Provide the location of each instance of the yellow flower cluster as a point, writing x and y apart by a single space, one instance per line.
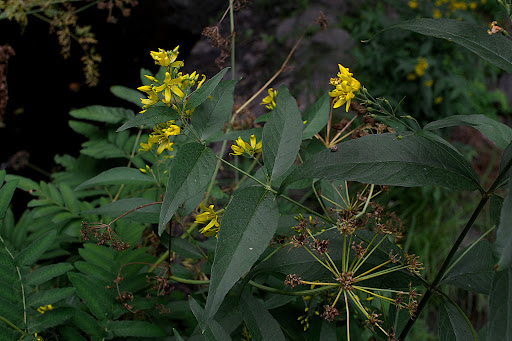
270 100
44 308
344 87
160 137
175 87
246 149
447 8
419 69
209 217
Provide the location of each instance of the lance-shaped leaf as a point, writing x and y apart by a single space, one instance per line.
419 159
503 244
6 193
499 318
117 176
496 49
103 114
506 157
209 118
151 117
316 116
201 94
213 331
282 135
127 94
474 270
247 226
190 173
453 324
31 253
495 131
259 321
143 210
94 295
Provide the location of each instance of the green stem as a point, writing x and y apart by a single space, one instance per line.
13 326
433 286
232 27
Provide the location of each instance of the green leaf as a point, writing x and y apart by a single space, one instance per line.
47 272
191 170
151 117
83 128
213 331
70 199
247 226
316 116
496 49
503 243
419 159
495 205
201 94
130 95
148 214
261 324
136 329
505 158
87 323
495 131
177 335
453 324
6 193
11 295
117 176
93 294
69 333
474 271
31 253
50 319
210 117
50 296
103 114
499 317
282 135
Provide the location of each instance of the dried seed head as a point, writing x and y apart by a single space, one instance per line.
330 313
320 246
292 280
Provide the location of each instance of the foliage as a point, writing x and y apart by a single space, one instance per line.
298 241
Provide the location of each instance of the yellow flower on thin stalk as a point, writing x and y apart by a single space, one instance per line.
171 85
270 100
209 217
344 87
421 66
166 58
38 337
246 149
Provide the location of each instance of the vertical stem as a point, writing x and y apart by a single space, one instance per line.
232 26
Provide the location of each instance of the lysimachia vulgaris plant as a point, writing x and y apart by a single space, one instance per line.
278 230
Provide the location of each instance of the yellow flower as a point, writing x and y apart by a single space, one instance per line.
429 83
208 217
152 97
436 14
438 99
421 66
411 76
472 5
44 308
38 338
246 149
160 136
166 58
345 86
412 4
170 85
270 99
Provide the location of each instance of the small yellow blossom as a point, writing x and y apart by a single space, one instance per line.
472 4
436 13
270 100
413 4
246 149
166 58
171 85
152 97
160 136
421 66
438 99
429 83
345 86
38 338
44 308
411 76
208 217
